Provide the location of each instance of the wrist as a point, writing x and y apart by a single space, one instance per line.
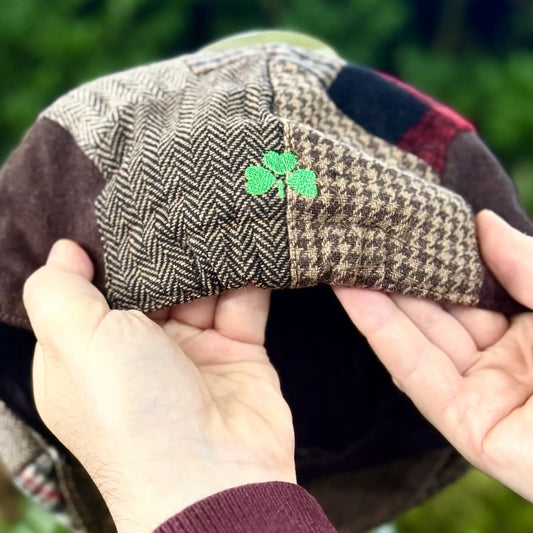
142 504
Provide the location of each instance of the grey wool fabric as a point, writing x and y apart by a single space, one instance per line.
274 165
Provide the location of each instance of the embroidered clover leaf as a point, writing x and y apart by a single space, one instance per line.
280 163
261 180
304 182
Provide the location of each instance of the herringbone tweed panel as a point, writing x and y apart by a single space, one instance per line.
174 140
376 226
300 94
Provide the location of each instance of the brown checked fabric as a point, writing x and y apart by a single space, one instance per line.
376 226
301 96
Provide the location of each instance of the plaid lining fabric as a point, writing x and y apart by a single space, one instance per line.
38 480
32 464
19 445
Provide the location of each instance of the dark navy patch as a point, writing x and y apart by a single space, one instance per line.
374 103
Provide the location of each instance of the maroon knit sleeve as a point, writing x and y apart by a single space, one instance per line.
274 507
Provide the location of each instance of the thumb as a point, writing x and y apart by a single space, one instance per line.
63 306
509 255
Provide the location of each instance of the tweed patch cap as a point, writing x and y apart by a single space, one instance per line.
274 165
163 203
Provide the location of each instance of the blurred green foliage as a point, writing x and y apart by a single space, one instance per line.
475 504
31 518
474 55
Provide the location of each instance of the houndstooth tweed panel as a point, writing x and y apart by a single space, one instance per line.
301 95
173 141
376 226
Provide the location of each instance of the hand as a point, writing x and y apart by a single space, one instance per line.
161 412
469 371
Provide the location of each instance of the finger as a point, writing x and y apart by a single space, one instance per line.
160 316
514 352
179 332
241 314
197 313
38 377
421 369
508 254
63 306
70 256
440 328
486 327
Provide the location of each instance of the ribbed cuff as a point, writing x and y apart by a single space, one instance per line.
274 507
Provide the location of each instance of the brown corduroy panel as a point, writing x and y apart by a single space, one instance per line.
374 226
356 501
300 95
474 173
37 207
176 220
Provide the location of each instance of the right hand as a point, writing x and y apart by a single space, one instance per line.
469 371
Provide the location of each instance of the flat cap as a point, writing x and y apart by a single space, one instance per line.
276 165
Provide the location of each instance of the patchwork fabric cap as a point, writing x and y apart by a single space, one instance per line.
274 165
263 165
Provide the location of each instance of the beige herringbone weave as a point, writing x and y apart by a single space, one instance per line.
176 220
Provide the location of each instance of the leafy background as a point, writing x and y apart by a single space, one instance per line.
474 55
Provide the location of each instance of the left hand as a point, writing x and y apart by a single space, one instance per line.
162 411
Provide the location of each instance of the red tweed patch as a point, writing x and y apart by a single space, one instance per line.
430 136
458 121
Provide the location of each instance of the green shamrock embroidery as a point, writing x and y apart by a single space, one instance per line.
261 180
